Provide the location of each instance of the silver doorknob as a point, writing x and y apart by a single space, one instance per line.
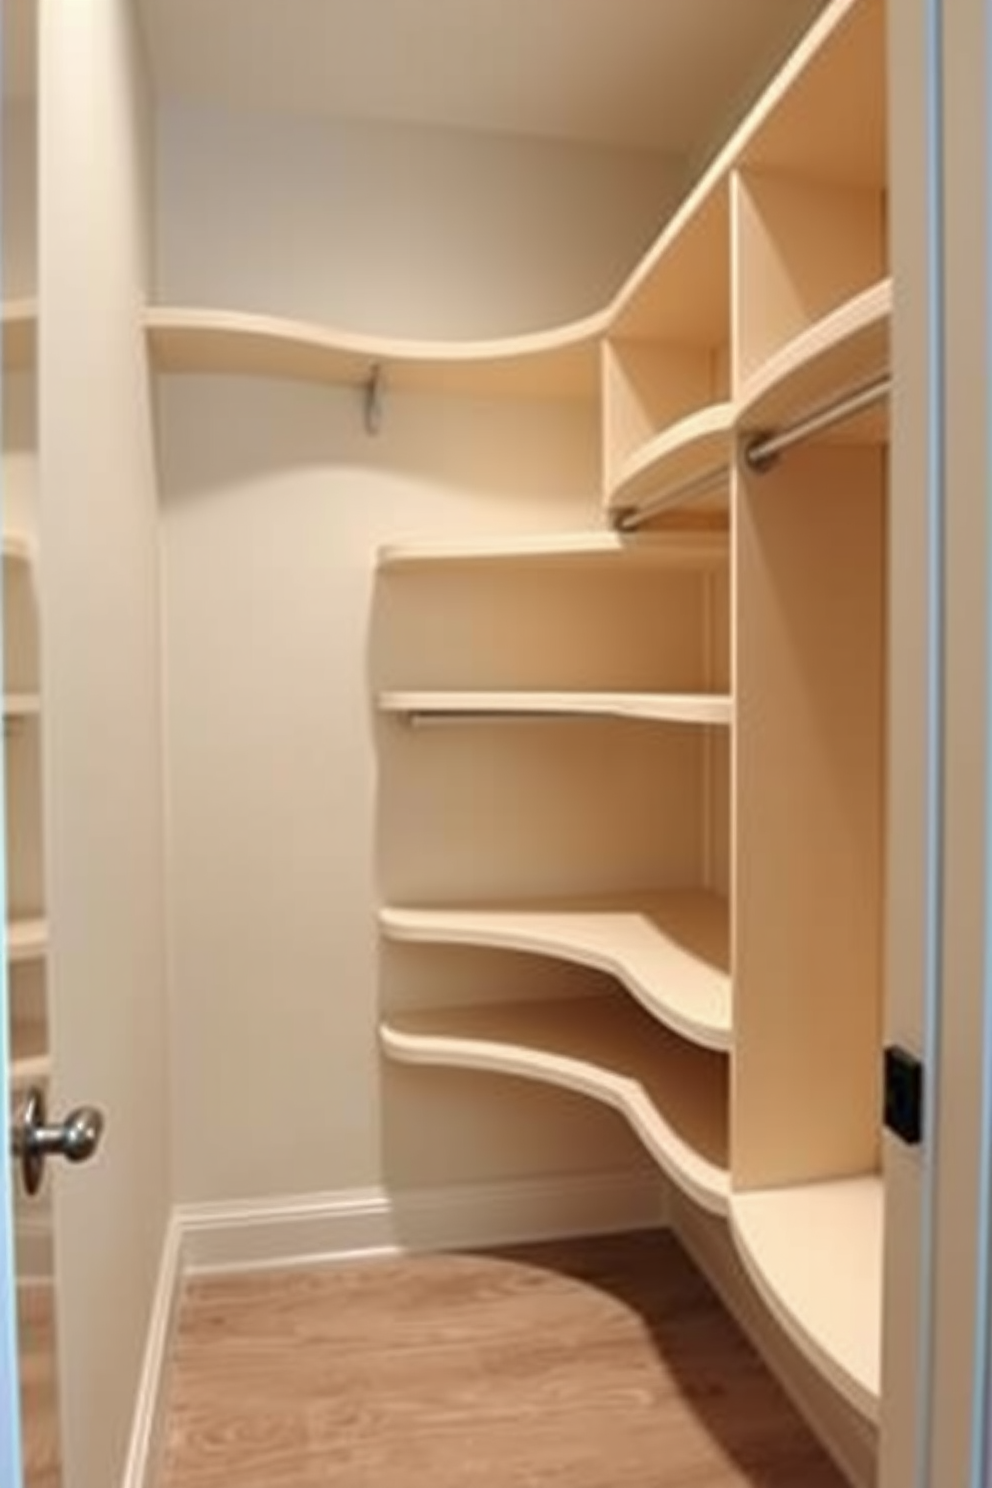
33 1140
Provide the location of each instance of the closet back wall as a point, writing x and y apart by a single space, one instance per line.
274 500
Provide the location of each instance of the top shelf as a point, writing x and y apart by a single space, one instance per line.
560 363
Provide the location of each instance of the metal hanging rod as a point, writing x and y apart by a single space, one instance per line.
761 452
629 518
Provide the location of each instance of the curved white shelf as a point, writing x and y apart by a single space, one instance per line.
671 950
700 550
696 708
27 940
814 1252
845 349
18 330
563 362
673 1094
686 451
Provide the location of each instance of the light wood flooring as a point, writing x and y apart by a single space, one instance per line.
601 1363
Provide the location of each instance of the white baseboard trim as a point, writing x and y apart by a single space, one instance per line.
354 1222
141 1469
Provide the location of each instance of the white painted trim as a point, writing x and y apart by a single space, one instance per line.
332 1226
141 1470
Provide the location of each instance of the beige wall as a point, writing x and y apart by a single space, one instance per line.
103 727
274 500
404 231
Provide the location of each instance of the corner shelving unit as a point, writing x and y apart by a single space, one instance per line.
765 300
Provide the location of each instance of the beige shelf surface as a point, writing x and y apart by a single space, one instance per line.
676 707
17 547
593 549
557 363
27 940
18 328
815 1254
846 349
21 705
670 949
673 1094
686 451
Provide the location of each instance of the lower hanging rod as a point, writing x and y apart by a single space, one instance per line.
761 452
629 518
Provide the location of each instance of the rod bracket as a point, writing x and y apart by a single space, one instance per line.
755 458
374 399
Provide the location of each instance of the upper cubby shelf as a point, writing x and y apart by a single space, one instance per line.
671 949
673 1094
814 1252
560 363
18 328
693 708
848 348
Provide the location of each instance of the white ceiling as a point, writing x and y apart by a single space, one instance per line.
661 74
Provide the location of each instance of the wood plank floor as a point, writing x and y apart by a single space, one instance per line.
39 1399
601 1363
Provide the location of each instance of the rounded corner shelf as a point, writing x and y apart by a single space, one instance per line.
673 1095
670 950
814 1253
845 349
695 449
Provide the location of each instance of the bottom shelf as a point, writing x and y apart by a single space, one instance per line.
814 1252
673 1093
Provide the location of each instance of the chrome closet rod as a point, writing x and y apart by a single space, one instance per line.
761 451
629 518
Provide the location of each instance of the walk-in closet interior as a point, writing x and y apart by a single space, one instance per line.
445 585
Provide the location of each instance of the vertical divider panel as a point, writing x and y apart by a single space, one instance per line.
809 779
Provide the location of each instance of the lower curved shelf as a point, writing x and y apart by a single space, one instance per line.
673 1094
814 1253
